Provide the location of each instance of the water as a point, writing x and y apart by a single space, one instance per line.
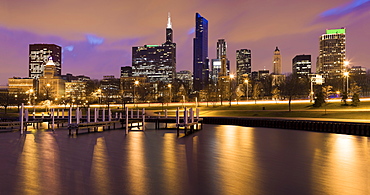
216 160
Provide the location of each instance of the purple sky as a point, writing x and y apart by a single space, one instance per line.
97 36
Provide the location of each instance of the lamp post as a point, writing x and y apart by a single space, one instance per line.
247 82
99 95
170 87
346 74
230 88
135 84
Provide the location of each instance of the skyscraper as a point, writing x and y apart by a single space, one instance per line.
156 62
39 55
243 64
200 56
332 53
301 65
220 65
277 62
221 48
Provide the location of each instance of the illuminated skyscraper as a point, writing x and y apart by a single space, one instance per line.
301 65
221 48
39 55
156 62
243 64
332 53
277 62
200 57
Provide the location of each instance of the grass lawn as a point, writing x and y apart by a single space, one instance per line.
299 110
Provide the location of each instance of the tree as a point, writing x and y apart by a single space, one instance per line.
356 91
275 93
256 90
293 87
5 99
319 100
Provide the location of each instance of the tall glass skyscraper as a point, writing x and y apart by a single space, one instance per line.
332 53
243 64
200 56
156 62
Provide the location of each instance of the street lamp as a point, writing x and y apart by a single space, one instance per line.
247 82
135 84
99 90
170 86
346 74
231 94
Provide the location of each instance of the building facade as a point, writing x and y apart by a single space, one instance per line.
200 53
126 71
39 55
243 64
277 62
156 62
51 85
332 53
301 65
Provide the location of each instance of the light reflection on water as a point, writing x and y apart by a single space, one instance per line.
216 160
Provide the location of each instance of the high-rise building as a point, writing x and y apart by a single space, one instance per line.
200 56
221 48
156 62
332 53
277 62
301 65
39 55
243 64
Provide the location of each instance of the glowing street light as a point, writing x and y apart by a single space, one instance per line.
170 86
247 82
346 74
231 94
135 84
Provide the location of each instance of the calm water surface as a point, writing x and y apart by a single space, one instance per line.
216 160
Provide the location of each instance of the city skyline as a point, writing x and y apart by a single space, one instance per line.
99 44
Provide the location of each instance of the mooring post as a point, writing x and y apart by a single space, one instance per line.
132 113
116 115
58 113
88 115
109 115
185 116
103 117
42 115
70 116
62 113
52 119
77 115
26 114
143 114
165 113
21 115
126 127
120 115
191 115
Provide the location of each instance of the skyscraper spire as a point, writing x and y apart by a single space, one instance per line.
169 24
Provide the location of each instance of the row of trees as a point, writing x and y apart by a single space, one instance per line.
112 91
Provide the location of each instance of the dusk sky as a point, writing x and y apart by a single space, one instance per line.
97 36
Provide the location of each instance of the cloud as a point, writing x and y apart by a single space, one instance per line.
94 40
69 48
345 9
